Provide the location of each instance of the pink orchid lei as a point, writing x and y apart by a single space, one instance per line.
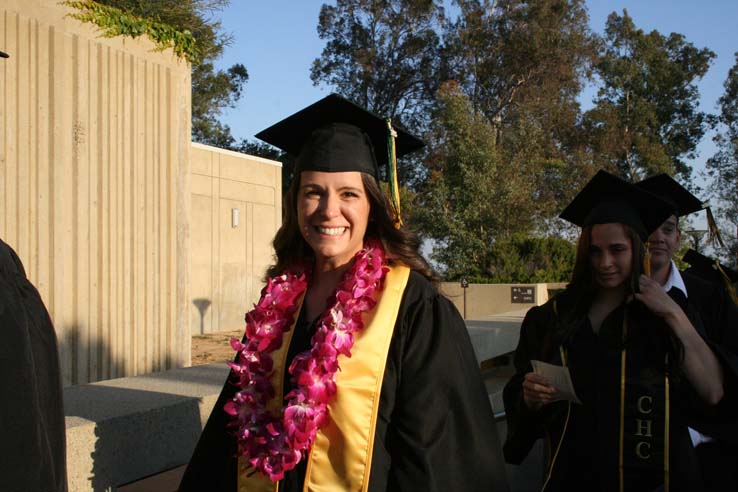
275 443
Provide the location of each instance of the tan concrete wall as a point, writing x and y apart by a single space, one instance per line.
94 188
483 300
228 263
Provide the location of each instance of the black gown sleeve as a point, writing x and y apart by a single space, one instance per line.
524 426
441 435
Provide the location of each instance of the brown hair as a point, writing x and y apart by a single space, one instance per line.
401 245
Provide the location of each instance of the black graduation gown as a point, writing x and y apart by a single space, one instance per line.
32 431
588 455
435 429
719 325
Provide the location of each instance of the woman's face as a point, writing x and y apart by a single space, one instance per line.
611 255
333 213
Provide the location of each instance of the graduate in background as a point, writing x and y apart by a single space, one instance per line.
355 373
712 271
715 316
640 368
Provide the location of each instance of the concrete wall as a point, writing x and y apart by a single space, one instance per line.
229 260
94 188
484 300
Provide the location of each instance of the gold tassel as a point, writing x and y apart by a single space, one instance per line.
713 234
647 261
728 285
394 185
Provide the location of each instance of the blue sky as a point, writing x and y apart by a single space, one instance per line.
277 40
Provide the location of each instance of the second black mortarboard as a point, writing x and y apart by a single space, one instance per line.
609 199
682 201
667 188
334 135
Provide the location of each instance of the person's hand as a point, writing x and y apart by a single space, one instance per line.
655 298
537 391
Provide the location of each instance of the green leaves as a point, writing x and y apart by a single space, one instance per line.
115 22
645 120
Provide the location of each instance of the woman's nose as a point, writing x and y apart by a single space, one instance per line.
331 206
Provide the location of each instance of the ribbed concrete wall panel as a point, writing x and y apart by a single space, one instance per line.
94 188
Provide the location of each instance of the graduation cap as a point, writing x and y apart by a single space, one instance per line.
608 198
335 135
681 200
712 271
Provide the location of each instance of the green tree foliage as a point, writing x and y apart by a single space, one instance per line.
115 22
471 197
383 55
212 90
526 259
522 65
723 166
645 120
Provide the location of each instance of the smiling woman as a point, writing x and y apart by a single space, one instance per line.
354 372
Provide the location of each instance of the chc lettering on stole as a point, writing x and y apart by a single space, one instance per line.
644 429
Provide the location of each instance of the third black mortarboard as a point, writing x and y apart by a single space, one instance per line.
335 135
707 268
608 199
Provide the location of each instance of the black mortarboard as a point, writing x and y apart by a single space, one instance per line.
335 135
607 199
681 200
707 268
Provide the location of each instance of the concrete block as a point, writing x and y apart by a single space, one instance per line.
121 430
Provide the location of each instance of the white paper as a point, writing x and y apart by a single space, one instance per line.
558 377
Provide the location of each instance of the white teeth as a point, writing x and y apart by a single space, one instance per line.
331 231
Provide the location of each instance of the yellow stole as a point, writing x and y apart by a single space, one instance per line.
341 456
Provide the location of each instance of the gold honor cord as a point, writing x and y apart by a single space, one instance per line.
713 233
393 182
562 352
622 399
728 284
666 427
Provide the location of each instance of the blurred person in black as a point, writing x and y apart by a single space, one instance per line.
32 431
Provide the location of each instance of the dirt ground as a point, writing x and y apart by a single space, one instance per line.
213 347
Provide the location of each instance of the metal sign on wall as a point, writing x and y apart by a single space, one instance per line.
523 295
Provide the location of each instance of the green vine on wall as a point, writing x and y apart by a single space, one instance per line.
114 22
